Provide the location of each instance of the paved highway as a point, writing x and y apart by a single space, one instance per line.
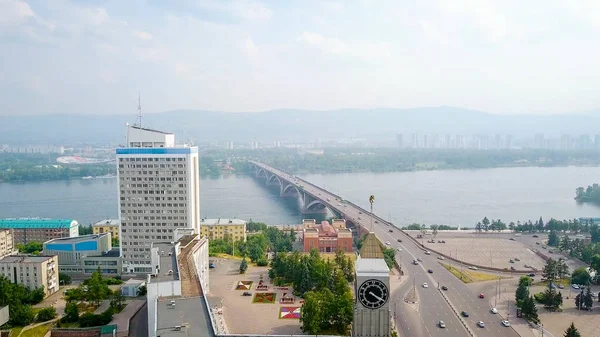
432 307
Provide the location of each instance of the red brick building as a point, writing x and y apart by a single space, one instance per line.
326 237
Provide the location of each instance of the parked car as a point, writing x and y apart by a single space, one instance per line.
399 249
399 240
415 262
391 231
464 314
494 311
536 236
425 285
506 323
430 271
575 286
444 288
512 239
247 293
517 259
427 253
387 243
211 265
481 296
473 268
440 257
419 259
531 275
560 286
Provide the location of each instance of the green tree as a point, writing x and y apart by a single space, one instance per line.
529 310
255 252
36 296
580 276
553 239
97 289
550 271
311 314
21 315
595 263
243 266
552 299
142 291
525 280
64 279
572 331
46 314
117 300
71 312
486 223
588 299
521 293
565 243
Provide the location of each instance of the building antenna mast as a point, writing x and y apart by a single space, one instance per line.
139 111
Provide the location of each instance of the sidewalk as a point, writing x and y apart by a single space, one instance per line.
507 309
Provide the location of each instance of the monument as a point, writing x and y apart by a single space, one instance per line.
372 289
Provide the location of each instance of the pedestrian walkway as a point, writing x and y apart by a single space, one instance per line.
505 304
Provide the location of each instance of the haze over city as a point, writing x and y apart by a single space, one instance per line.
502 57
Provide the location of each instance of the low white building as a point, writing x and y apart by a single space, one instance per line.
32 271
131 287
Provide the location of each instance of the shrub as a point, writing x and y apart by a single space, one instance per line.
46 314
262 262
540 297
113 281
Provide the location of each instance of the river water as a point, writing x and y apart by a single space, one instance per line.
458 197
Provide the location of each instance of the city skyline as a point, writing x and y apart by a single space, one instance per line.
501 57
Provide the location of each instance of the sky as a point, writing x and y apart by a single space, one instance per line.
94 56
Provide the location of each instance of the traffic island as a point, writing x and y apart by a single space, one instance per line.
412 296
469 276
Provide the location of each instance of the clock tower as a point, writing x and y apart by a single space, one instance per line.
372 291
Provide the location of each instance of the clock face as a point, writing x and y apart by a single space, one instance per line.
373 294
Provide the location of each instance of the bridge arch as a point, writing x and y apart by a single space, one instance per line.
274 178
289 187
262 173
315 205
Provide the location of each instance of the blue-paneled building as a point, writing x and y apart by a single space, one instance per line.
84 254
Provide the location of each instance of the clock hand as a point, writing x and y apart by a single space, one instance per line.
377 297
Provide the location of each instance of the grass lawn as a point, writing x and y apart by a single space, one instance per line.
331 256
564 282
469 276
38 331
16 331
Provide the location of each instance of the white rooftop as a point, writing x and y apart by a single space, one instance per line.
108 222
371 266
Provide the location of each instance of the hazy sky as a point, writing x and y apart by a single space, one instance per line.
498 56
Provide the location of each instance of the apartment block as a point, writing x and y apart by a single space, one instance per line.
230 229
111 226
6 242
159 192
26 230
32 271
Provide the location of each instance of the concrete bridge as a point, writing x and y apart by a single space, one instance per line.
315 199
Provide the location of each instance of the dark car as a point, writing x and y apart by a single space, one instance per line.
430 271
247 293
481 296
391 231
531 275
536 236
211 265
444 288
464 314
399 240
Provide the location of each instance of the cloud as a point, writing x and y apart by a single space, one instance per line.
432 32
334 6
181 69
484 15
142 35
362 50
586 10
14 12
249 48
247 10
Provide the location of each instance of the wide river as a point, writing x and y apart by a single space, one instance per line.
460 197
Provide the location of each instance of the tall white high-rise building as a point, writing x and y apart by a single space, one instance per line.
158 193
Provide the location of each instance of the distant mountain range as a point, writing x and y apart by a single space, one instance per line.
288 125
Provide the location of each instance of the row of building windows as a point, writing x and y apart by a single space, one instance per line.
147 224
153 179
104 271
100 263
147 237
137 249
151 159
157 185
148 230
20 268
158 211
155 218
169 173
154 166
177 204
150 198
124 192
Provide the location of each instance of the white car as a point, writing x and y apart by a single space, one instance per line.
425 285
442 324
427 253
399 249
440 257
506 323
481 324
387 243
494 311
473 268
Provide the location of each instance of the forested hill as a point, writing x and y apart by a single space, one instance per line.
299 125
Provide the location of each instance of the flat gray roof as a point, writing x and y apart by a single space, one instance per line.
166 262
221 221
77 238
26 258
190 314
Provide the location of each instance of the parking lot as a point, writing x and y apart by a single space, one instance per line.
485 251
240 313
